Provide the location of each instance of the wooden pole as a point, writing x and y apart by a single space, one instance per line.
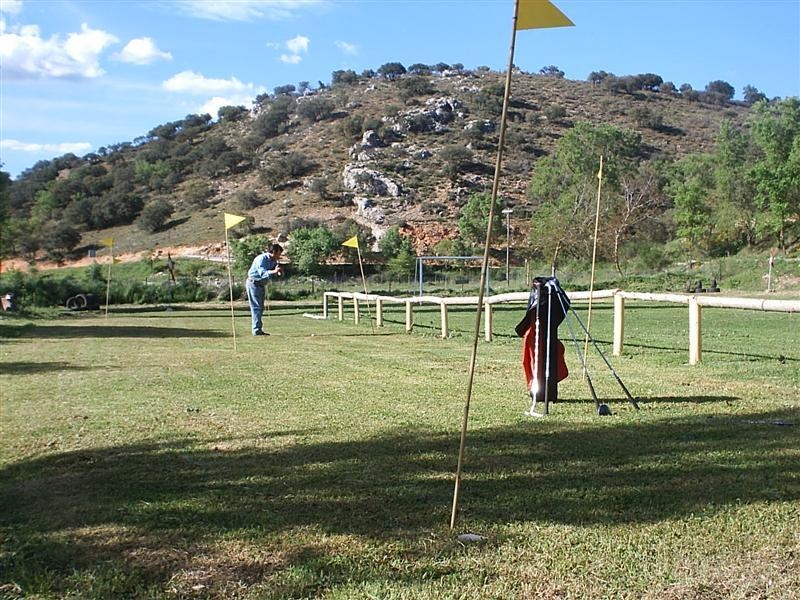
594 260
230 287
366 293
484 268
108 278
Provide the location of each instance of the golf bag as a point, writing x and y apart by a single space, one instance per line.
542 351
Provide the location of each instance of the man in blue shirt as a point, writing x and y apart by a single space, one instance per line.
265 266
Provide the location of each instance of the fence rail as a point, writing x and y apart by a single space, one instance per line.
695 303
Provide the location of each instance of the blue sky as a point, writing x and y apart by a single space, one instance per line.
79 75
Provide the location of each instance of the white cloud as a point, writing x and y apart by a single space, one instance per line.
141 51
196 83
61 148
244 10
25 54
11 7
347 48
291 59
212 105
298 45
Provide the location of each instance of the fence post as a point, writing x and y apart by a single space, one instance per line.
341 307
356 311
325 305
487 322
409 316
619 323
695 331
443 312
379 312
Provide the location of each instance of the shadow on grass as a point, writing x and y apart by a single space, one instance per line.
29 368
78 510
106 331
620 400
148 509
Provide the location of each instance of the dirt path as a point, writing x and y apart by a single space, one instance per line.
212 252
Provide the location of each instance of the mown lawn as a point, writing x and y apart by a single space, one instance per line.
143 457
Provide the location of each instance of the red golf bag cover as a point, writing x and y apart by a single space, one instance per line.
547 305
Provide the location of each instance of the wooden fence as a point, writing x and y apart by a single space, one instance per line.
695 303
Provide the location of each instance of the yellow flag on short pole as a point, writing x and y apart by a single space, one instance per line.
540 14
109 241
352 242
231 220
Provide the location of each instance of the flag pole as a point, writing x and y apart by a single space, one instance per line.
353 243
230 221
594 260
230 287
108 277
484 267
366 293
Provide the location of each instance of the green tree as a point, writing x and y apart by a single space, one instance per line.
391 70
392 243
348 77
154 216
232 113
59 239
283 168
315 109
244 250
285 90
416 85
564 187
474 220
552 71
691 184
5 211
312 247
403 263
419 69
455 158
776 173
197 193
489 101
723 88
734 210
640 200
751 95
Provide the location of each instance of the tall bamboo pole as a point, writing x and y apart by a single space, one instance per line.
484 268
594 260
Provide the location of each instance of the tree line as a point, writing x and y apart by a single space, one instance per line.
742 194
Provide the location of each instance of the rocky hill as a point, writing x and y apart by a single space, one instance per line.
375 151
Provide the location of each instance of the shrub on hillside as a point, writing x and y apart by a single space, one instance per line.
315 109
154 216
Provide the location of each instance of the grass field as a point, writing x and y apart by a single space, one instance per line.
143 457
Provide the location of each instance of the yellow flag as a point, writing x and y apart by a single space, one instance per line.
231 220
539 14
109 241
352 242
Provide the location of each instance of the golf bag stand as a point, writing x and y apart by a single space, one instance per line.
543 353
602 408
